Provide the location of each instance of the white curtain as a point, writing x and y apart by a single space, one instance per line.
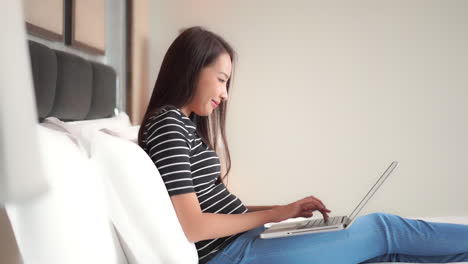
21 173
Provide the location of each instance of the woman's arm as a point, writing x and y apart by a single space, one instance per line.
254 208
199 226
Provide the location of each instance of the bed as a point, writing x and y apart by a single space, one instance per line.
111 215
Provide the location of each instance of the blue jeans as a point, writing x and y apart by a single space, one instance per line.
377 237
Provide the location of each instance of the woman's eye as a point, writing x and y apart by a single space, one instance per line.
221 80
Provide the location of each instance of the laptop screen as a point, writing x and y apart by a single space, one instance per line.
376 186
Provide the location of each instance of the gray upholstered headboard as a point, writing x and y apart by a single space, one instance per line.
70 87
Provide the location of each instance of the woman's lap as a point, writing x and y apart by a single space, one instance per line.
368 237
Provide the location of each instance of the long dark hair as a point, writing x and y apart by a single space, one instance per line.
194 49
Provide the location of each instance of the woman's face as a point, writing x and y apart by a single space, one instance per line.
211 88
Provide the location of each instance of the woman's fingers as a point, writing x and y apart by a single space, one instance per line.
312 207
325 216
324 207
313 198
314 204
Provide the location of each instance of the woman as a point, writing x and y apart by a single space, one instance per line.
180 130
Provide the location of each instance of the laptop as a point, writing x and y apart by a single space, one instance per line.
318 225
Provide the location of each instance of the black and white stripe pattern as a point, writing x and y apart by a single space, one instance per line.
186 165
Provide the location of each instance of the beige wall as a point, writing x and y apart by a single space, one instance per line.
139 90
9 252
47 14
328 93
89 27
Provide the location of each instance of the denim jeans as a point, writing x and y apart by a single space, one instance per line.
376 237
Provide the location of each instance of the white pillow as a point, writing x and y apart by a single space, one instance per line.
69 223
121 118
127 133
84 130
57 125
140 207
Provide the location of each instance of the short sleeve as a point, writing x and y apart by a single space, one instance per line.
168 147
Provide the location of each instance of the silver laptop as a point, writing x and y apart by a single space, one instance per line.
318 225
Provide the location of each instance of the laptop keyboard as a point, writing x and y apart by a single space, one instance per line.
320 222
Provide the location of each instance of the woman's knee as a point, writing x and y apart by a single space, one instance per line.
380 217
375 221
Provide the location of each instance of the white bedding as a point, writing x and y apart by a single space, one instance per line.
445 219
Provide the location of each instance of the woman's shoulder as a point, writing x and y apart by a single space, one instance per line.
167 113
167 118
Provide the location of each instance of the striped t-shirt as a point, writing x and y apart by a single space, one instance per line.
186 164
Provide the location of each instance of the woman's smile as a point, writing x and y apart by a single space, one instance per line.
215 104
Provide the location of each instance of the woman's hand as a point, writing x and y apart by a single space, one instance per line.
300 208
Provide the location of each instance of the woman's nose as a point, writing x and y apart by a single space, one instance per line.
224 95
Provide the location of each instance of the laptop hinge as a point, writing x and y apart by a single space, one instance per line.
347 221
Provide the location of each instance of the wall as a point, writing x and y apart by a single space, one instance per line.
115 40
138 96
9 251
327 93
